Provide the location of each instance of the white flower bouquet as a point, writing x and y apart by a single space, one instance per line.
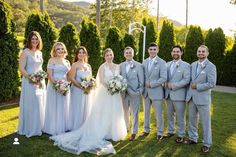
37 78
88 83
62 86
117 84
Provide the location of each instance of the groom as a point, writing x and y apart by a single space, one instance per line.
155 75
133 72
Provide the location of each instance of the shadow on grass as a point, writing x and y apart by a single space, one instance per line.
223 128
2 108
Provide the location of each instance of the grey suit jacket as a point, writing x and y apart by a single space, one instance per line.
156 76
205 80
135 78
179 80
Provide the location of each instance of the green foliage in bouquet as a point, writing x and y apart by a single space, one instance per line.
90 38
43 24
69 36
115 41
9 51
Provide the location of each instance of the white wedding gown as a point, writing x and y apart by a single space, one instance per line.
104 121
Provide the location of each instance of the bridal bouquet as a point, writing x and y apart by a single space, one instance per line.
62 86
117 84
88 83
37 77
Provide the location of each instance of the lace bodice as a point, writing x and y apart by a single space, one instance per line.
105 73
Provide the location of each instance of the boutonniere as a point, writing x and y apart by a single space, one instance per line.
155 61
177 65
132 66
203 66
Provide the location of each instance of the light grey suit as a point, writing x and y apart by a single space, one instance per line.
131 97
157 76
199 101
175 97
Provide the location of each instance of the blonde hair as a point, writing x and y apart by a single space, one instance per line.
204 46
106 51
129 48
28 43
53 51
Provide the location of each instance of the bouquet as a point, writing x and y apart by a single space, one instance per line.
37 77
117 84
88 83
62 86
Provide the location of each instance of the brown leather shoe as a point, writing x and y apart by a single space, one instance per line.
190 142
159 138
205 149
144 134
179 140
132 137
168 135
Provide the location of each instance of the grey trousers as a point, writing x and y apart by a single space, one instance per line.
176 108
131 105
158 106
202 111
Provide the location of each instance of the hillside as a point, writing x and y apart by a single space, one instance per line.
59 11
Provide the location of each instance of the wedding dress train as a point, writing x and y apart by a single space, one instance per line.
105 121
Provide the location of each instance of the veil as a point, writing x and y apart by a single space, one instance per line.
90 137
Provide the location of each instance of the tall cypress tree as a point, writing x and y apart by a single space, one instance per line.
42 23
166 40
69 36
229 68
151 36
193 41
114 41
215 41
89 37
9 51
130 41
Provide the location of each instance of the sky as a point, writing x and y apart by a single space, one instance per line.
205 13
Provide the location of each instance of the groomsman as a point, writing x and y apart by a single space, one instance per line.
133 72
155 75
203 79
178 77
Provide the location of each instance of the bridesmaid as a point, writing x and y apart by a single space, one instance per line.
56 114
32 98
78 100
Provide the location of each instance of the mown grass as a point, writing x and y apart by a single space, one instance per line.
223 127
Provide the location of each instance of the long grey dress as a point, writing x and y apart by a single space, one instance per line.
32 99
78 102
56 111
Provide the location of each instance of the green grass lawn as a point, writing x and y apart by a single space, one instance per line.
223 127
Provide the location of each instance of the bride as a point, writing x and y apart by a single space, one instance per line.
105 120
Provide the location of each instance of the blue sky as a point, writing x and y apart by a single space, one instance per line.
205 13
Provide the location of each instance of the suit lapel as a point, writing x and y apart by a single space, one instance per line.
124 69
202 68
176 67
153 65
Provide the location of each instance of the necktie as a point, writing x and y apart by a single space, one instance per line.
150 65
172 68
198 68
128 67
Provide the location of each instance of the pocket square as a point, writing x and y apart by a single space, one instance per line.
134 71
178 71
203 72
